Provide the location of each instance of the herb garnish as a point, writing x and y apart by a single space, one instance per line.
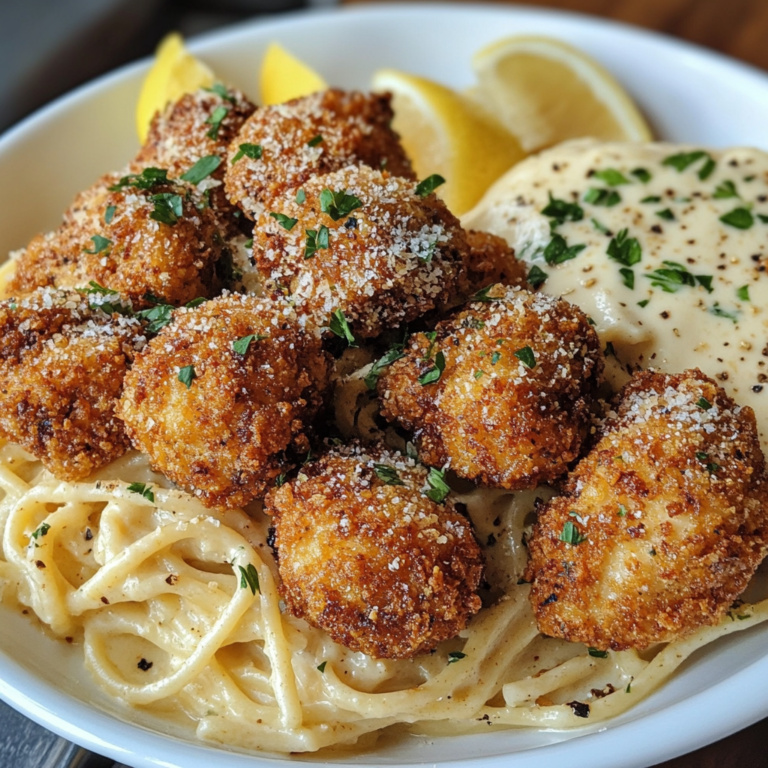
725 189
388 358
100 244
168 208
741 218
482 295
455 656
673 276
286 222
253 151
628 277
622 511
435 372
626 250
642 174
187 375
249 577
666 214
109 214
718 311
202 169
495 357
321 667
388 475
703 403
215 121
526 357
147 179
651 199
314 141
241 345
143 490
611 177
429 185
562 211
439 489
338 204
340 327
220 90
600 227
558 250
317 239
682 160
594 652
536 276
606 197
570 535
41 531
301 197
743 293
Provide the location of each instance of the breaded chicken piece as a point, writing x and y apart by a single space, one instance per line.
661 526
131 239
199 125
366 556
62 364
219 395
501 389
490 260
362 242
307 137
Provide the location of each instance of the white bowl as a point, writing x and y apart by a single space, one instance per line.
689 94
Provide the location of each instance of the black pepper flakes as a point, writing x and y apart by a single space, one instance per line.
145 665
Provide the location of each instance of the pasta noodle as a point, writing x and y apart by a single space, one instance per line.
177 609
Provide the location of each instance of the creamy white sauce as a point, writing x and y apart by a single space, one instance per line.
710 324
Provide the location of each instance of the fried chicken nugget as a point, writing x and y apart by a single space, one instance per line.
62 364
135 235
362 242
490 260
501 390
199 125
661 526
220 394
307 137
366 556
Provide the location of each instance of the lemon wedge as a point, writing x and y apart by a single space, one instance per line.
443 132
174 72
546 91
283 77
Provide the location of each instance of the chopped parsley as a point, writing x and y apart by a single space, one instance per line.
220 90
202 169
338 204
644 303
433 374
622 511
454 656
109 214
241 345
562 211
252 151
666 214
725 189
315 140
301 197
600 227
479 374
611 177
280 480
741 218
606 197
286 222
339 326
187 375
143 490
482 295
683 160
429 185
628 277
388 358
526 357
558 250
595 653
215 121
642 174
438 488
317 239
41 531
388 475
762 218
249 577
147 179
536 276
651 199
495 357
743 293
703 403
570 535
321 667
624 249
168 208
100 244
718 311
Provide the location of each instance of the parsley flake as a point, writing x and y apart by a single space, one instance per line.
536 276
301 197
215 121
725 189
605 197
339 326
570 535
315 141
147 179
100 244
642 174
286 222
479 374
317 239
202 169
558 250
455 656
249 577
482 295
666 214
627 277
644 303
388 475
220 90
241 345
168 208
703 403
435 372
429 185
741 218
624 249
562 211
526 357
41 531
187 375
338 204
252 151
683 160
622 511
143 490
280 480
388 358
600 227
321 667
109 214
743 293
438 488
651 199
597 654
718 311
611 177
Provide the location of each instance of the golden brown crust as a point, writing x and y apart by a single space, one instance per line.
490 260
175 263
388 261
496 420
225 436
185 132
354 128
381 568
61 372
673 502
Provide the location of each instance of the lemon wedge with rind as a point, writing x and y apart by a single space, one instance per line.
284 77
174 72
443 132
546 91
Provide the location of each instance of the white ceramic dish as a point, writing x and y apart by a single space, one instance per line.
688 94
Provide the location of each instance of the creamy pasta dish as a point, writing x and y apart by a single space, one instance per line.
298 458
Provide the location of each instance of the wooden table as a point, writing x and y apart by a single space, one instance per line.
738 28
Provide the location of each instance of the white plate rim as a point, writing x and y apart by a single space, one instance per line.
744 692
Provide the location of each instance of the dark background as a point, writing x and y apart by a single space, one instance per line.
48 47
